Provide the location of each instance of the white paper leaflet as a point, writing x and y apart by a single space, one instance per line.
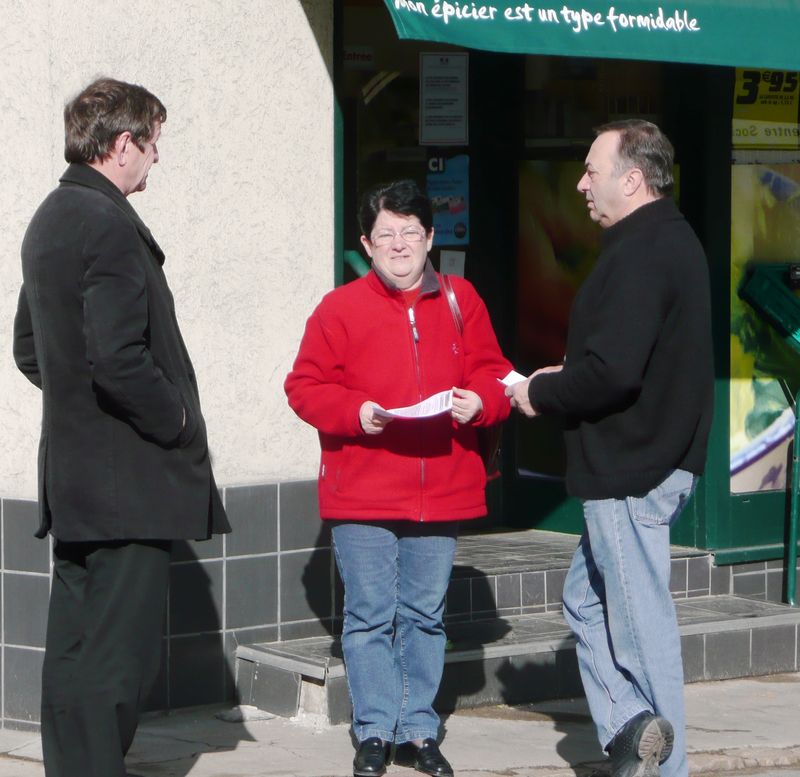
433 405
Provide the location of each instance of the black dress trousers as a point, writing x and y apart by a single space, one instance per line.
102 652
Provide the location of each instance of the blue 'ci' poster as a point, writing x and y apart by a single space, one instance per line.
448 190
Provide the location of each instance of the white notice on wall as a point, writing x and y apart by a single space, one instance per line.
443 99
452 263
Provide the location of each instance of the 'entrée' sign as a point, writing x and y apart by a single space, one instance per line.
747 33
578 19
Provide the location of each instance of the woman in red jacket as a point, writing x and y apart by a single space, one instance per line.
395 488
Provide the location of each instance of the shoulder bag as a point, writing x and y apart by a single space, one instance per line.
488 436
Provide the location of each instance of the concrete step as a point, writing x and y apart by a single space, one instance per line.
522 658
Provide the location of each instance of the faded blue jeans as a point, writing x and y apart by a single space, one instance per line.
618 604
395 577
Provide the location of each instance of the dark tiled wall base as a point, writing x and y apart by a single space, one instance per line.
742 653
554 674
25 593
765 580
510 680
480 596
542 676
271 579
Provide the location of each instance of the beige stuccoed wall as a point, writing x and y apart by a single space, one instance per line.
241 201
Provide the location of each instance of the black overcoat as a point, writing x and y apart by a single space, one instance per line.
96 330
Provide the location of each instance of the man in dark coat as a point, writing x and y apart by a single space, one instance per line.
123 460
635 393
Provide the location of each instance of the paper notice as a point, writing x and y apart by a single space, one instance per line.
433 405
452 262
512 378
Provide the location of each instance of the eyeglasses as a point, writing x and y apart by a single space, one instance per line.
409 234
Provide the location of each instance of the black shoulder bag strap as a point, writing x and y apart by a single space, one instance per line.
488 436
452 301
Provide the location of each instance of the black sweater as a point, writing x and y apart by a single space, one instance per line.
636 391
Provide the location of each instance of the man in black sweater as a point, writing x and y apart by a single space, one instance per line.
635 393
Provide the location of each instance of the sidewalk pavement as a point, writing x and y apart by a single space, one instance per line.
748 726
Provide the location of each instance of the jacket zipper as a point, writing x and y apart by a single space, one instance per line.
415 336
413 321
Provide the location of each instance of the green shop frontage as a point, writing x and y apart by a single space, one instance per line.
492 105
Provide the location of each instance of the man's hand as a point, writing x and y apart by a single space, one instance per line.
519 392
370 422
519 397
551 368
466 405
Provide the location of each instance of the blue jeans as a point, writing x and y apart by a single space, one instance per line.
395 578
618 604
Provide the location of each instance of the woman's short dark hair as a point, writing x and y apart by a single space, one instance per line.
102 111
643 145
403 197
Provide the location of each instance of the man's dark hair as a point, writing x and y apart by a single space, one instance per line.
642 144
403 197
102 111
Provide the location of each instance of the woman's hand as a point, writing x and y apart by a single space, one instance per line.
370 422
466 405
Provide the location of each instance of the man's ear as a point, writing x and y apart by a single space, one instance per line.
634 180
122 144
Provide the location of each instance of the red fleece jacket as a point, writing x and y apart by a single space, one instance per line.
358 346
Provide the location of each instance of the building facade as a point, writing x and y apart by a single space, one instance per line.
279 113
242 202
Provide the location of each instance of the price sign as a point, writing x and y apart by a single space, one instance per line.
765 109
765 87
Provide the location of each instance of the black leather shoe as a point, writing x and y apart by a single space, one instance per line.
371 757
643 743
426 758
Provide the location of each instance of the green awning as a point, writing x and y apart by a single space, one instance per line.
737 33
